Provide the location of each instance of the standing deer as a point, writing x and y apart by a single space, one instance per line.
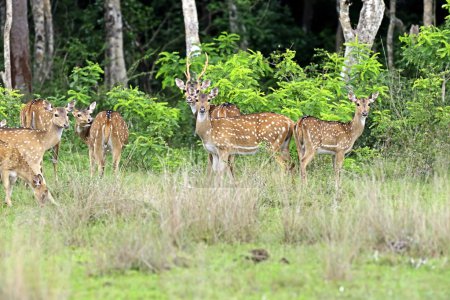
13 165
242 134
192 89
330 137
36 115
32 143
108 130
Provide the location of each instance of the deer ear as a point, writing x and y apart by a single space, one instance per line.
70 105
214 92
373 97
3 123
47 105
180 84
37 180
352 97
92 107
205 84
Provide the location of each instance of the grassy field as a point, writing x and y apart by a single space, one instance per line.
146 235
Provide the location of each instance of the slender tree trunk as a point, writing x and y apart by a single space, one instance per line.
40 38
369 22
6 75
236 26
50 38
308 13
191 26
390 34
20 48
115 71
339 34
427 12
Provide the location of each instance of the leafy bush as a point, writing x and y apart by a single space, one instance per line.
151 124
10 106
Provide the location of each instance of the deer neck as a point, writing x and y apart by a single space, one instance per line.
203 126
357 126
83 132
51 137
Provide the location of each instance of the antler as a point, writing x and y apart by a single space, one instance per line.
204 68
187 73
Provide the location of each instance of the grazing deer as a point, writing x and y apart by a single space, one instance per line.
192 88
3 124
13 164
32 143
330 137
108 130
242 134
36 115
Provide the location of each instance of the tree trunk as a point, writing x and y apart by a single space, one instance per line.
20 48
369 22
6 75
390 34
115 71
48 63
40 38
427 12
339 34
235 25
308 12
191 26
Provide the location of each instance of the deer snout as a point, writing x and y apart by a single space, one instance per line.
365 113
66 125
90 120
202 110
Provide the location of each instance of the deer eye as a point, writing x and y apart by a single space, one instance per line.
56 115
79 115
357 104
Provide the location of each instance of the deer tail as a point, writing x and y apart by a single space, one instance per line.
107 128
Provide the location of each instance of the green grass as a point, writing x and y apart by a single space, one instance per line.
169 235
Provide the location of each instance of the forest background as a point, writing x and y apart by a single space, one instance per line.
282 56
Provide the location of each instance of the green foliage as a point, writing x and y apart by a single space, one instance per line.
10 106
151 125
84 83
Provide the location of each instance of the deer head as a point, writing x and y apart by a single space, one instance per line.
363 104
3 123
83 117
40 189
60 116
203 104
193 87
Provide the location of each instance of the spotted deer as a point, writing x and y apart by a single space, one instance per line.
313 136
36 115
107 131
3 124
32 143
192 89
13 165
242 134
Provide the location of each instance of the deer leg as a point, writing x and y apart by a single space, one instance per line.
306 159
116 154
338 161
7 186
224 164
55 160
209 167
91 161
230 165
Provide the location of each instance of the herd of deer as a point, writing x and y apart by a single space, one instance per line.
22 149
224 131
